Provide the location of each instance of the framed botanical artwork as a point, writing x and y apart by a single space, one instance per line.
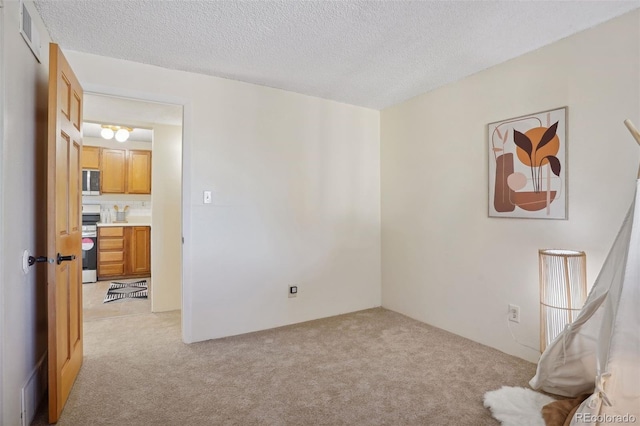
527 166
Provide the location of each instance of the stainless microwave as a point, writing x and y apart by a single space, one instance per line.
91 182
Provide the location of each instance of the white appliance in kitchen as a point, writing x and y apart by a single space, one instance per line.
90 218
90 182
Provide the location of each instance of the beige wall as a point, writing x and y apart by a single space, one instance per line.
166 222
296 197
444 261
23 201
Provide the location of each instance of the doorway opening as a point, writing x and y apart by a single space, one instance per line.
138 236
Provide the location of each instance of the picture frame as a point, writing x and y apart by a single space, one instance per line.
528 166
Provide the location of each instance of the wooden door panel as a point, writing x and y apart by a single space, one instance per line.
72 320
64 193
75 228
62 335
76 110
64 88
62 185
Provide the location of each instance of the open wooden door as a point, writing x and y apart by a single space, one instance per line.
64 230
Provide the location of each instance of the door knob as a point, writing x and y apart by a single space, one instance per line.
65 258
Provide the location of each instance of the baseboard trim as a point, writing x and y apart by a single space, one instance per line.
33 390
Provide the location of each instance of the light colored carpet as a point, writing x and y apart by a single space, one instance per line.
373 367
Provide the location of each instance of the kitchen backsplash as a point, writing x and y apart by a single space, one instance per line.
136 208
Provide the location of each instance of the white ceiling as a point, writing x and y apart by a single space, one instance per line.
368 53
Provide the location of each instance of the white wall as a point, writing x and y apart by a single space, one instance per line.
296 198
166 224
23 203
444 261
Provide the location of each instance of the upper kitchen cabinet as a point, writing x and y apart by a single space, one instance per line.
125 171
139 172
90 157
113 177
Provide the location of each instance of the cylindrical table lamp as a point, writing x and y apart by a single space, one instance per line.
563 290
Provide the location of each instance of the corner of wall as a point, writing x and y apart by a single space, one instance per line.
441 252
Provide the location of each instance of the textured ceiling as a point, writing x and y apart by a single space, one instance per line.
368 53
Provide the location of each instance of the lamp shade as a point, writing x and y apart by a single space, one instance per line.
106 132
122 135
563 290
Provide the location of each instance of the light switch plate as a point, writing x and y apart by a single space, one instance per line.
206 197
293 291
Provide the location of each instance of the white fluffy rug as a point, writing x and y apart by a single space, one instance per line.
517 406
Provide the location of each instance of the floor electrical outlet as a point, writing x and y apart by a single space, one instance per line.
514 313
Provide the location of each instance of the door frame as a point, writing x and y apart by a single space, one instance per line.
186 287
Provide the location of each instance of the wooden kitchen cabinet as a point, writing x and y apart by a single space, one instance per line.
113 172
111 252
139 248
125 171
90 157
124 252
139 172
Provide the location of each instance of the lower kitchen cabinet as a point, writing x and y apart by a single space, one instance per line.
139 248
124 252
111 249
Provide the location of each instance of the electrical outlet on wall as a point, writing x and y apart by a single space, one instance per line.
514 313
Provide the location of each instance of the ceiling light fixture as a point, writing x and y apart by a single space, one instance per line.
121 132
122 135
106 132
